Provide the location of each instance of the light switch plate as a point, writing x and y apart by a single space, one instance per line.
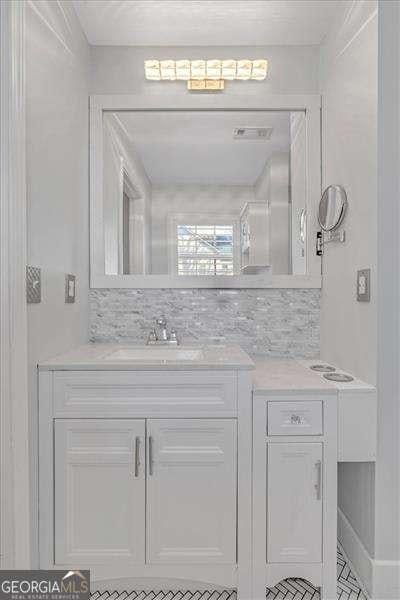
33 285
70 288
364 285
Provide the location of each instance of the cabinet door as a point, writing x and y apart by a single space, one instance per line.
294 505
191 491
99 491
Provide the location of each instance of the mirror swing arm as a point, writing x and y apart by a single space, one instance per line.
339 236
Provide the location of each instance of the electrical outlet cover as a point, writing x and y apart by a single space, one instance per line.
364 285
70 289
33 285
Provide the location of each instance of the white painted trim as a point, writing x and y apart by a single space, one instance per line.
378 578
355 552
223 282
244 486
116 102
99 104
386 577
15 488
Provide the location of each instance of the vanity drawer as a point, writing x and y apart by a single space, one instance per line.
144 393
295 418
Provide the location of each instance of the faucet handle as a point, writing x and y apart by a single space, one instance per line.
161 322
173 336
152 338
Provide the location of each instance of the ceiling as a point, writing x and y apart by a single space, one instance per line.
205 23
198 147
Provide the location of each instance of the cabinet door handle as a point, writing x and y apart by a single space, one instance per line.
318 485
137 456
151 457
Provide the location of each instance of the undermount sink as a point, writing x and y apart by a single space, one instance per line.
152 353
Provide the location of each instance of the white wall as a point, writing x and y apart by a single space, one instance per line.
348 77
197 199
120 69
57 58
349 88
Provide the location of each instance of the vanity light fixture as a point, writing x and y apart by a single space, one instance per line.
206 74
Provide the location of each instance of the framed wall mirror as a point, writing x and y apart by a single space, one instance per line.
206 196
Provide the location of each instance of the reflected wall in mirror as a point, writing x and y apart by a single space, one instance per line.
204 193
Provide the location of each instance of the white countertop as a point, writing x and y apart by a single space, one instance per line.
97 357
296 375
269 374
291 375
356 384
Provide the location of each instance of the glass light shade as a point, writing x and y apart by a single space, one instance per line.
243 69
213 69
197 84
259 70
152 70
228 69
182 68
198 69
205 84
168 70
210 70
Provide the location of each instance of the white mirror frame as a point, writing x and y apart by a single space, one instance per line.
311 104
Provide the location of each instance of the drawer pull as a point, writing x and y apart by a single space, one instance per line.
137 456
317 486
295 420
302 417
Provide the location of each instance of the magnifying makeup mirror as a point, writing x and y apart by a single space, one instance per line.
332 208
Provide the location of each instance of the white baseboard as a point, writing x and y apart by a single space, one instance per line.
380 579
356 553
386 580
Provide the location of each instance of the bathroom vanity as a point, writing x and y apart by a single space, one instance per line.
295 461
145 465
191 467
303 425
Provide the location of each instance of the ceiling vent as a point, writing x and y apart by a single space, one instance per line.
252 133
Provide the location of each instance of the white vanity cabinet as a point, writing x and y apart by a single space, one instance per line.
294 488
191 491
146 475
105 492
294 492
99 491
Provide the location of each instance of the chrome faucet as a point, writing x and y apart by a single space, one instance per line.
162 328
159 334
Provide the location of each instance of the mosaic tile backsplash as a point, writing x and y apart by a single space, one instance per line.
265 322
